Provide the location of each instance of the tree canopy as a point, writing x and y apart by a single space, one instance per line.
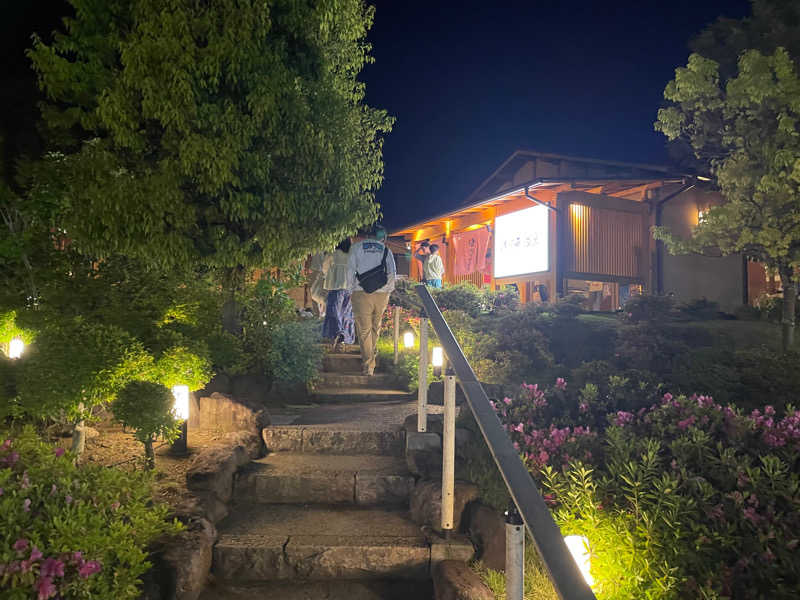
230 133
746 128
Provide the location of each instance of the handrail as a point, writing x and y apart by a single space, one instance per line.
563 571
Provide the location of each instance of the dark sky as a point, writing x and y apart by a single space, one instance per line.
471 81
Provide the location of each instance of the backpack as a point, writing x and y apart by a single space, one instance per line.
376 277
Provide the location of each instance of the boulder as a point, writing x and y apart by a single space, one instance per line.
221 412
435 423
436 394
212 470
426 503
454 580
186 560
487 528
251 442
424 454
201 505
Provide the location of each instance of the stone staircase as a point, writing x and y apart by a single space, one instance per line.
325 514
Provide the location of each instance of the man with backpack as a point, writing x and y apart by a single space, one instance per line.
371 273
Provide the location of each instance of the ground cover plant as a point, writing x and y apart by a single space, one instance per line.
72 531
678 495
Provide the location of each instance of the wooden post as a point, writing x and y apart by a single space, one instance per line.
397 310
448 452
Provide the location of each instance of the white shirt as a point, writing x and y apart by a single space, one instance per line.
336 277
433 268
366 255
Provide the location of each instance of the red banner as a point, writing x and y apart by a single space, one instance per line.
470 248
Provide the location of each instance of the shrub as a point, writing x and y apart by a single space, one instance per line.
649 308
700 310
461 296
295 354
147 408
499 301
72 532
678 497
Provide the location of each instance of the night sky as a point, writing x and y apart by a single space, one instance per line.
470 81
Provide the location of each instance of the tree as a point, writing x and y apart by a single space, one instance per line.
745 127
227 133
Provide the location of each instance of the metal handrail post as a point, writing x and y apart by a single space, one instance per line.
564 572
449 452
422 390
515 555
397 310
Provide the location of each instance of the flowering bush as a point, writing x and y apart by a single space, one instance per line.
678 496
71 532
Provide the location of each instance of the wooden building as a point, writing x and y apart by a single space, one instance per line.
552 225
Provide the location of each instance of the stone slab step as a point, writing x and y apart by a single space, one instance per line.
283 478
330 440
356 394
324 590
342 363
278 542
353 380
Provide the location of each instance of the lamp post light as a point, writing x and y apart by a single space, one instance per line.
437 360
15 348
408 339
578 546
181 409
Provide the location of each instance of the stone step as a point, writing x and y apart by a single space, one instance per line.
283 478
357 394
325 440
342 363
279 542
324 590
352 380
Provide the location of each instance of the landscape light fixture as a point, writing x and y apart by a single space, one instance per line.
437 360
408 339
181 409
578 546
15 348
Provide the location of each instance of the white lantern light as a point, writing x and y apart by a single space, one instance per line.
408 339
578 546
437 358
15 348
181 405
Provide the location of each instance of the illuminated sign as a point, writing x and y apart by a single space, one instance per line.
521 242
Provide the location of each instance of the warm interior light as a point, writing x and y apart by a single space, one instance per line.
15 348
701 215
181 405
578 546
437 358
408 339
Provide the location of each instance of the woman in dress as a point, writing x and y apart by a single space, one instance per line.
339 325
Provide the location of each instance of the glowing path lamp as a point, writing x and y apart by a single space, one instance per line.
408 339
437 360
15 348
181 409
578 546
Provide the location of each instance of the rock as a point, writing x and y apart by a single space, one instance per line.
220 412
251 443
454 580
283 439
202 505
464 438
187 557
381 488
436 394
424 454
487 528
455 546
212 470
435 423
426 503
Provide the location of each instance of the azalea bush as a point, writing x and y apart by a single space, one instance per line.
72 532
678 495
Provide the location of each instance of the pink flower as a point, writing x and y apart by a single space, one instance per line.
583 407
68 499
667 397
686 423
45 588
622 418
26 505
6 445
115 506
12 458
519 428
543 457
52 568
561 383
26 483
59 452
507 400
20 544
36 554
90 567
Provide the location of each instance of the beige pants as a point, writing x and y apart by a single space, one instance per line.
368 312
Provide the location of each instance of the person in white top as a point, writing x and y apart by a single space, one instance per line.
368 256
339 325
433 268
316 279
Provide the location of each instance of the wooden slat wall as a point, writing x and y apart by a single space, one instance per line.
475 278
606 242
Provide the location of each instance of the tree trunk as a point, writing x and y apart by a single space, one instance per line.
79 434
232 280
789 303
149 454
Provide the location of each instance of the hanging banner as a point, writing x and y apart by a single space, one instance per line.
470 248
